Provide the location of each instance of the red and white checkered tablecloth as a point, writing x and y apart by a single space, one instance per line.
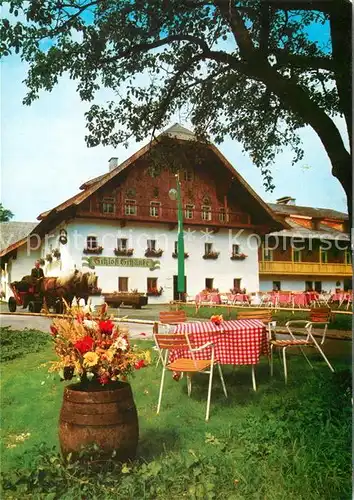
236 342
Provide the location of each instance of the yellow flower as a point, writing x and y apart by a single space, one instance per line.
148 357
109 355
90 359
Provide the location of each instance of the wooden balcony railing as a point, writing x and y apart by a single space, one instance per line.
277 267
169 215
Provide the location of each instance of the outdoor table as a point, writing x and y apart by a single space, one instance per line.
281 298
213 298
238 297
340 297
236 342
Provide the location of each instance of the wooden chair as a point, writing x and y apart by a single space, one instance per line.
190 365
318 316
264 315
167 318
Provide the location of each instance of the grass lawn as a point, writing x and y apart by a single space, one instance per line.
340 321
290 442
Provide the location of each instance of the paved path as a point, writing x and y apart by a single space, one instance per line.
17 322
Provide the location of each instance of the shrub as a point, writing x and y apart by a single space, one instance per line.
15 344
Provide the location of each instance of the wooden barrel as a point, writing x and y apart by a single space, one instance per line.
105 415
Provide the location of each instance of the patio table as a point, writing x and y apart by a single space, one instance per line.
236 342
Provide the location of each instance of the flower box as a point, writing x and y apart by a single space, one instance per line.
211 255
153 253
238 256
154 292
121 252
175 255
93 251
49 257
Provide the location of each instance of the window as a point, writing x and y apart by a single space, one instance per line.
208 247
267 254
91 242
308 286
188 175
151 244
155 208
189 211
235 249
151 284
209 283
318 286
276 285
122 243
206 212
130 207
108 206
297 255
222 215
324 256
348 257
122 284
237 283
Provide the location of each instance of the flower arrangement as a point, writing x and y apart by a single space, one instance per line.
175 255
150 252
93 349
211 255
217 319
154 292
238 256
49 257
95 251
124 252
56 253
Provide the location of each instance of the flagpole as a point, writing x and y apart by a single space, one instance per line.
180 243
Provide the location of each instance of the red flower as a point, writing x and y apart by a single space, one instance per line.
139 364
104 379
106 326
54 331
84 345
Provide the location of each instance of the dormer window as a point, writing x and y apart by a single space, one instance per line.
206 212
130 207
108 206
222 214
155 208
188 175
189 211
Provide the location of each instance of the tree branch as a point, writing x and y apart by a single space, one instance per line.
284 58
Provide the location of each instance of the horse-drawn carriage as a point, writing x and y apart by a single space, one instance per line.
49 292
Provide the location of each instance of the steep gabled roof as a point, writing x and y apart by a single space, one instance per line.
179 133
323 232
316 213
14 234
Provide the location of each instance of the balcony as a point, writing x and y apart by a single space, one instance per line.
304 268
143 213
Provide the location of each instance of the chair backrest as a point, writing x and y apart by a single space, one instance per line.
264 315
172 317
320 315
171 341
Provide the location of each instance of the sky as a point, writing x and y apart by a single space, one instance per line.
44 158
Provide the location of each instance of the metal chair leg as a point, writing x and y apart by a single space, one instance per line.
285 367
189 384
254 379
161 389
271 360
209 392
222 381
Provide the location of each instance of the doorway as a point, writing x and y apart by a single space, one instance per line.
176 294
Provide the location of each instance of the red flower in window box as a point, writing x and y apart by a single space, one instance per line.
238 256
150 252
93 251
154 292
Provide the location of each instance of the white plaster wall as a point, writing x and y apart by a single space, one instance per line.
223 270
21 266
298 284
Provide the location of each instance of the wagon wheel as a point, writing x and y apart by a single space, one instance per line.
12 304
59 307
34 307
